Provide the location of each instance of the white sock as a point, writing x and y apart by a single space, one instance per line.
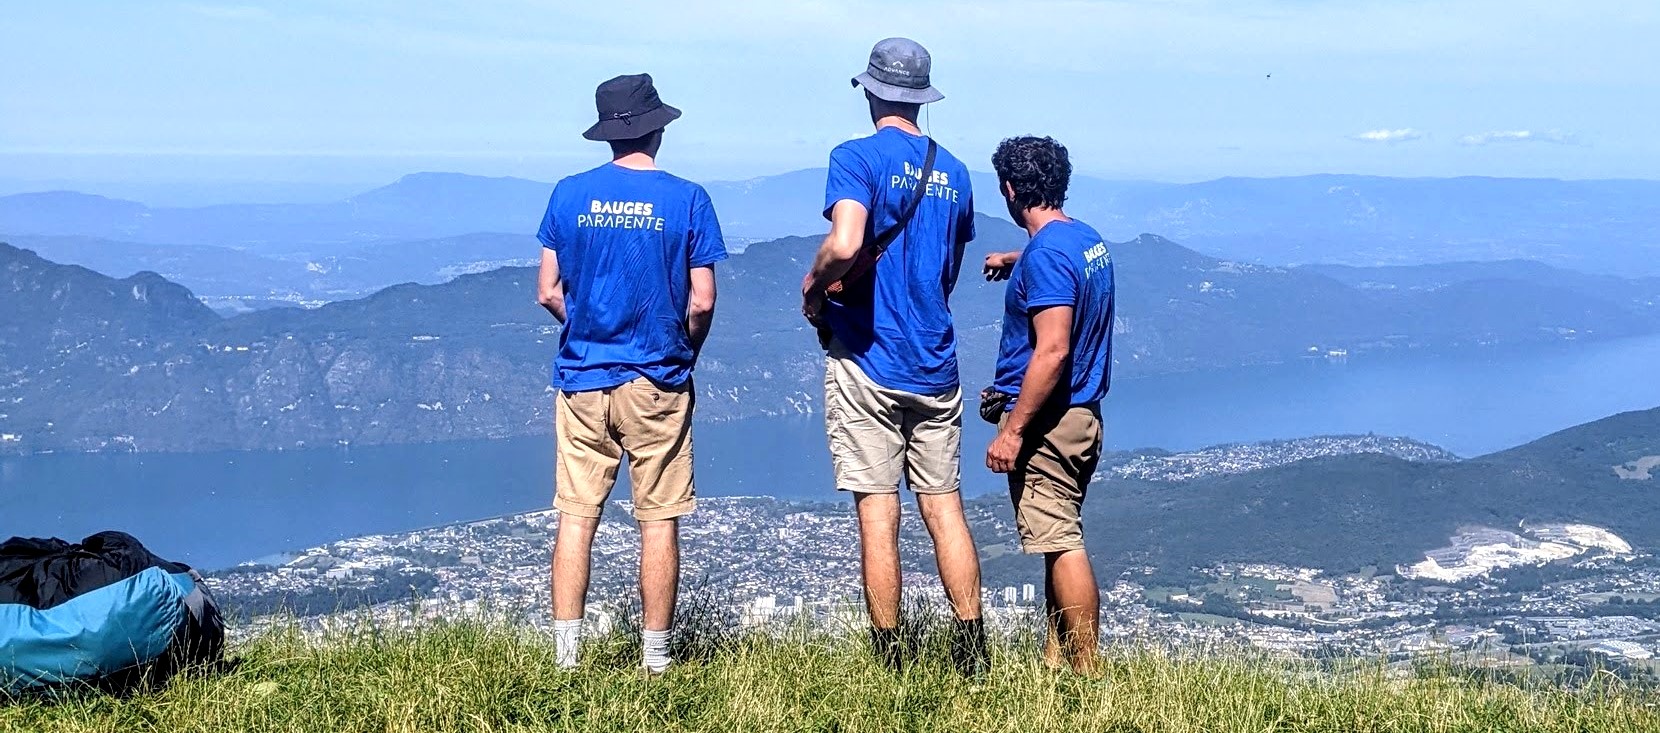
567 639
656 645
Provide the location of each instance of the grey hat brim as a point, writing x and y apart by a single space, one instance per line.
633 127
891 93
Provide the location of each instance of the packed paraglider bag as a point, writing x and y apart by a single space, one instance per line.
104 613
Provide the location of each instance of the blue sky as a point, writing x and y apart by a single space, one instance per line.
345 93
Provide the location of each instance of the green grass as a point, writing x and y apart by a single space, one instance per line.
492 677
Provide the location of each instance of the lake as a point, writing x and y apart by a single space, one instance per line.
218 509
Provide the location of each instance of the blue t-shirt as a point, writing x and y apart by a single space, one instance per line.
1067 263
627 241
903 339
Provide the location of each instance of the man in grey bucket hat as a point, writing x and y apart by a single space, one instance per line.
901 212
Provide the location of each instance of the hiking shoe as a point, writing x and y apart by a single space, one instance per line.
890 648
968 649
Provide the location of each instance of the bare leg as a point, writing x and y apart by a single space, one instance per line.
958 560
879 556
572 550
1053 654
1078 599
659 571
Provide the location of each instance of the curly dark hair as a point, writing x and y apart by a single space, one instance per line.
1037 168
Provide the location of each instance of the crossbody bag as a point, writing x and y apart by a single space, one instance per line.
858 285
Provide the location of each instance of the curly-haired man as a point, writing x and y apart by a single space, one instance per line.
1053 367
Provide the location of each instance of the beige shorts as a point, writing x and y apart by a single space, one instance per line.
651 424
1050 479
878 435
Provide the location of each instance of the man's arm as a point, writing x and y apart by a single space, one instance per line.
1053 326
1000 264
835 256
550 290
700 310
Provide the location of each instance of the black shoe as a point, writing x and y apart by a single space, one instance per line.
890 648
968 649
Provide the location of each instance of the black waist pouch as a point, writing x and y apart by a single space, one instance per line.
993 404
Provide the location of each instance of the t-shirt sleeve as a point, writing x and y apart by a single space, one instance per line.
547 234
965 224
1050 280
850 179
708 246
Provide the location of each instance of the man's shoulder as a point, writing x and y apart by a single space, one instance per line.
1073 235
575 184
690 188
863 147
577 179
945 159
1088 232
1060 247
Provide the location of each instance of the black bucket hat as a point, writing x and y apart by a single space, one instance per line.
628 108
898 72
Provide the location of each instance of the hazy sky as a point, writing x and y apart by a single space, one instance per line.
362 91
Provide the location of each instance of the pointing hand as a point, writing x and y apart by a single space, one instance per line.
999 265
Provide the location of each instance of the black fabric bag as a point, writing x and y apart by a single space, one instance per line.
43 573
993 404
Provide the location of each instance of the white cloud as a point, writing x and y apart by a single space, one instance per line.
1519 136
1388 136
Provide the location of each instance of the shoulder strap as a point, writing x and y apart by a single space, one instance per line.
880 244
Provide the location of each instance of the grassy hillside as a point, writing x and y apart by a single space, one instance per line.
474 677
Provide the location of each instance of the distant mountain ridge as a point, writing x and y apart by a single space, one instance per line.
90 362
417 206
1605 227
1641 292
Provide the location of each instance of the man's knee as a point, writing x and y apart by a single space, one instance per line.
660 530
577 526
1069 567
941 510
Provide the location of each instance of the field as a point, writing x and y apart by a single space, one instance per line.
476 676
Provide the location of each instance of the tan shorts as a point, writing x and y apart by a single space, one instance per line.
1050 479
878 435
651 424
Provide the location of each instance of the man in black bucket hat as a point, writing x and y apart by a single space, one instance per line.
628 255
900 211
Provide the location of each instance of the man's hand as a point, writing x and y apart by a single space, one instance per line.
812 300
1003 451
999 265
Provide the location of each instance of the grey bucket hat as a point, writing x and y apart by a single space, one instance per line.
898 72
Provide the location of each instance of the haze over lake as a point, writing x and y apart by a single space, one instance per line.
218 509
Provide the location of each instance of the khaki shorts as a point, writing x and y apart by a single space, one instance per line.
651 424
1050 479
878 435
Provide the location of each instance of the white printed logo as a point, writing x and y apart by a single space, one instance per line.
619 215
